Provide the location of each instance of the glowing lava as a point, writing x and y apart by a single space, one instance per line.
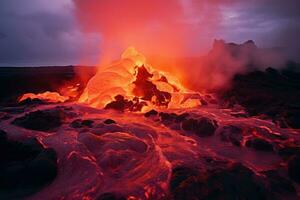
51 97
136 83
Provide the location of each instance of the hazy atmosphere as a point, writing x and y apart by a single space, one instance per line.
150 99
41 32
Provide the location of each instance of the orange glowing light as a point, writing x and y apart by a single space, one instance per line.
52 97
132 77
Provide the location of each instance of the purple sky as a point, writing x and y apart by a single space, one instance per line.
43 32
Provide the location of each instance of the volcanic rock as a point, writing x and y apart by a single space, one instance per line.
4 116
122 104
202 127
180 175
29 101
233 182
167 116
147 90
151 113
78 123
293 168
119 104
110 196
259 144
181 117
41 120
189 124
109 121
289 150
279 184
87 122
25 167
232 134
276 91
293 119
3 135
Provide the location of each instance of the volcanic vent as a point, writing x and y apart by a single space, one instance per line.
133 84
168 143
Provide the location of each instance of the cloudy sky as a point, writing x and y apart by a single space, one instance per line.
62 32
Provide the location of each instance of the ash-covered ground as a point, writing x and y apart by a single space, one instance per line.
240 145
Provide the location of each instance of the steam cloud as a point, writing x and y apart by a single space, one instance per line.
177 28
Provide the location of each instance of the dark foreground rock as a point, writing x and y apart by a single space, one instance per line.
288 151
29 102
277 92
151 113
259 144
41 120
202 127
122 104
78 123
232 134
294 168
279 184
25 167
109 121
110 196
234 182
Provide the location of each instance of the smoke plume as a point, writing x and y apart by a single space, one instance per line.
172 30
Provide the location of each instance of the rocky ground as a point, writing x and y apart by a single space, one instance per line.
245 145
73 151
271 93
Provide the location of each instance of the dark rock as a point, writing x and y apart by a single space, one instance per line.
4 116
151 113
3 135
288 150
203 102
147 90
189 124
122 104
205 127
119 104
167 116
41 120
180 175
110 196
202 127
293 119
259 144
43 168
233 182
279 184
293 168
232 134
13 110
30 101
25 168
277 92
87 122
109 121
181 117
78 123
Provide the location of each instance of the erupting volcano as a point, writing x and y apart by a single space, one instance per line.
155 107
132 84
134 132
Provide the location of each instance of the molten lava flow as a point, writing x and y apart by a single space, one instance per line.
67 92
131 84
52 97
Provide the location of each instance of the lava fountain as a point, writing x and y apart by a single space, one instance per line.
137 84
